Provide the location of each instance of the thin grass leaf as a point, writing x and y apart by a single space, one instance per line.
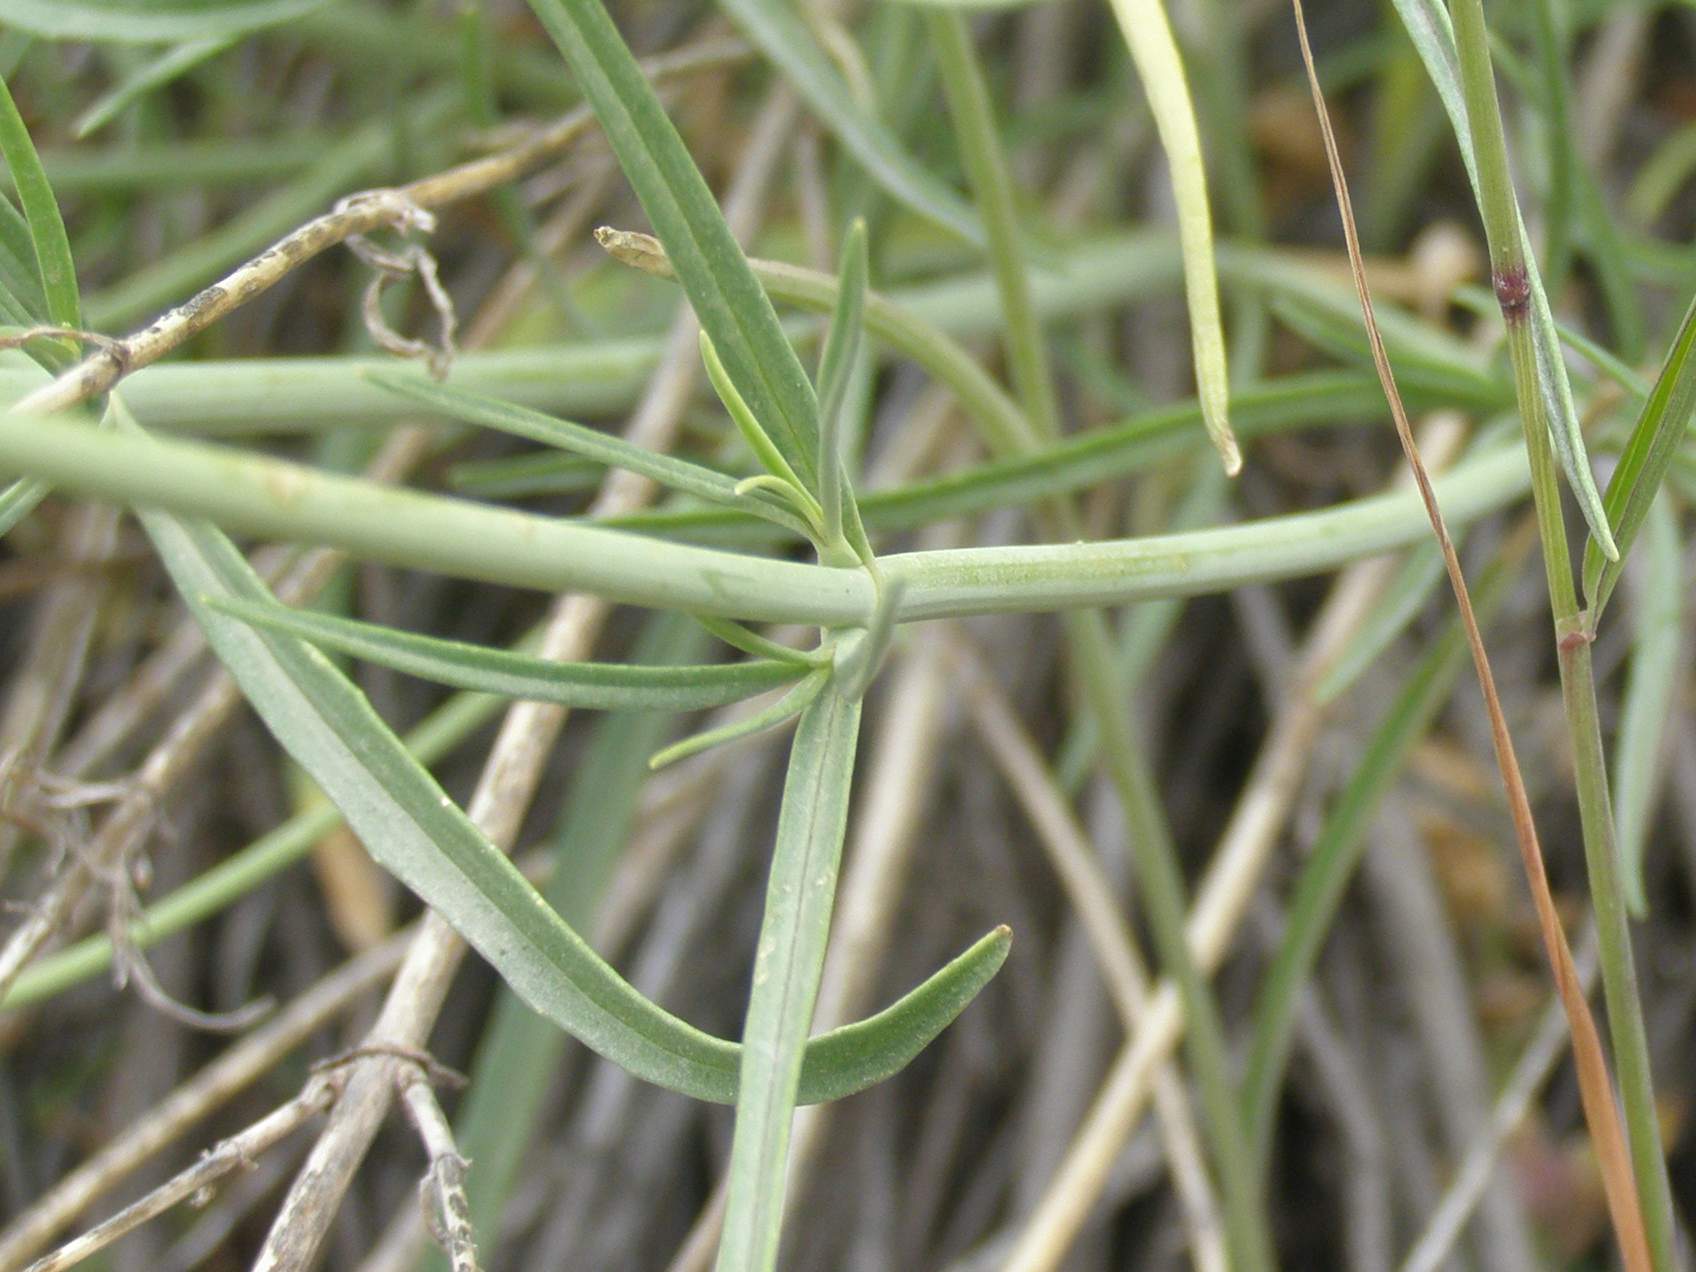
841 349
418 834
1429 27
518 476
777 30
1155 52
1652 688
592 686
604 448
149 77
766 452
1405 596
20 276
788 963
1661 427
728 300
57 271
1337 851
148 21
751 642
773 716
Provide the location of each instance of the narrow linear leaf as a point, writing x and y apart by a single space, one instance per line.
595 686
1661 427
770 457
778 713
151 76
777 30
41 211
729 301
1651 689
419 834
749 641
147 21
604 448
1155 52
788 962
20 276
841 349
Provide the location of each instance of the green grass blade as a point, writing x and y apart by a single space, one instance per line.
593 686
1155 52
751 642
788 963
766 452
728 300
1661 427
147 21
841 348
778 713
1337 851
1652 687
58 272
604 448
777 30
169 66
20 276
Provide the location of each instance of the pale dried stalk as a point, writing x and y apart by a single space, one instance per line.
1595 1085
356 215
228 1155
442 1191
508 781
41 694
1093 897
203 1094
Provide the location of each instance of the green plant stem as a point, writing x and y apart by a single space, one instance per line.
1578 691
257 495
1095 665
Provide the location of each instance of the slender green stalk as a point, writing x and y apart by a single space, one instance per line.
1096 668
256 495
1578 690
788 963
